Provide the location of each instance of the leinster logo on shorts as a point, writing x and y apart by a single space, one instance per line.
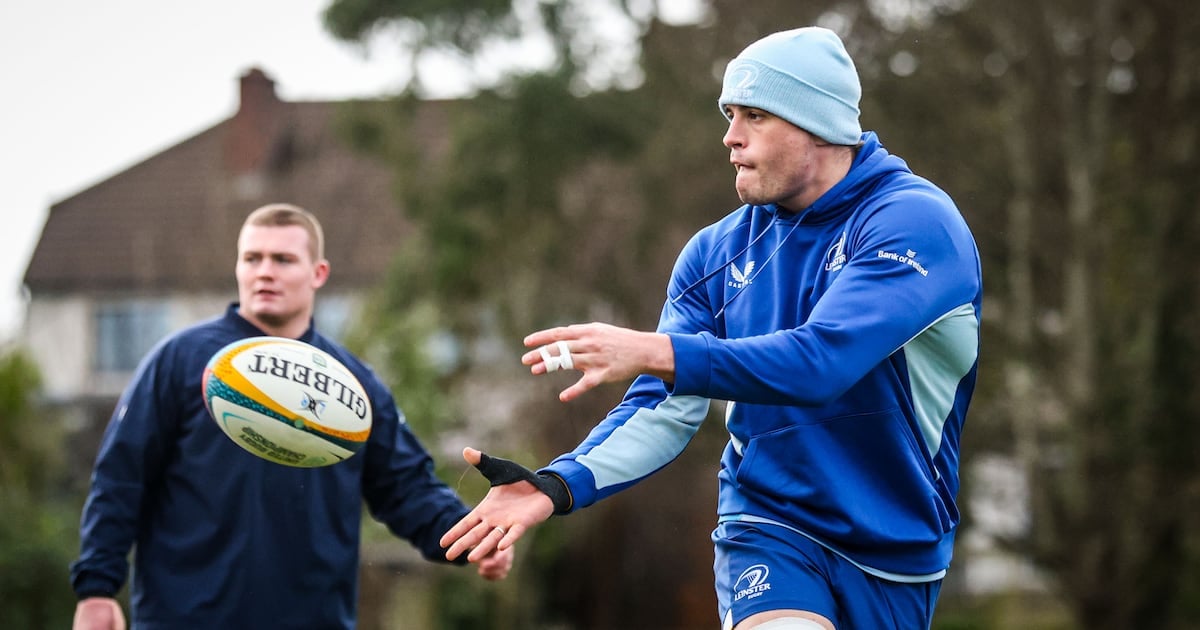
751 583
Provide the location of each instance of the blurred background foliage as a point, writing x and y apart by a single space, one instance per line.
38 519
1066 131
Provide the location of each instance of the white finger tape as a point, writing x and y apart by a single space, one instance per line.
565 361
551 362
555 363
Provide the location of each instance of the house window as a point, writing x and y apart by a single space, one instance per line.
126 332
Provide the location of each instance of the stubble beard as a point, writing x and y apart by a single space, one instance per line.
752 193
267 317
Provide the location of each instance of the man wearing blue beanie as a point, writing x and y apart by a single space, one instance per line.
837 312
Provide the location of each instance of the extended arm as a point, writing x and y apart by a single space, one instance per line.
910 264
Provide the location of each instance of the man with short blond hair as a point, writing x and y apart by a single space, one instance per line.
224 539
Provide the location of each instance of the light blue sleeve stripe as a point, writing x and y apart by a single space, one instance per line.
650 439
938 359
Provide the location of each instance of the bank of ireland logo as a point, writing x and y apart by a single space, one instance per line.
909 257
740 81
835 258
752 583
741 278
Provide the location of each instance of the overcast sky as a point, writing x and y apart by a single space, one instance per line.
91 88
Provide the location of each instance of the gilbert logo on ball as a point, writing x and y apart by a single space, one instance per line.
287 401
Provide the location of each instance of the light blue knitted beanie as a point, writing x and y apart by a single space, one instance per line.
804 76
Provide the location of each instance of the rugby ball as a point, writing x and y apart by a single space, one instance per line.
287 401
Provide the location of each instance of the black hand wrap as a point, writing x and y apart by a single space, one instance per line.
501 472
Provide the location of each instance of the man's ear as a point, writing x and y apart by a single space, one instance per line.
320 274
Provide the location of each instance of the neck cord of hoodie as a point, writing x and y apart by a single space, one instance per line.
732 259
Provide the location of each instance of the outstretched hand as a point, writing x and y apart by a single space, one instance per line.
499 521
604 353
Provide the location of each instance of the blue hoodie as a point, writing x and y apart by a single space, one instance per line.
845 338
224 539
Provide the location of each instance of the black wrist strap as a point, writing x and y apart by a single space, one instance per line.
501 472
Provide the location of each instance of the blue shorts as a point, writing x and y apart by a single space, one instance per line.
761 567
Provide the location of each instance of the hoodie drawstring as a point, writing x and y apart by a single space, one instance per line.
732 259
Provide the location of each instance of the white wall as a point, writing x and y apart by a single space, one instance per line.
57 336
